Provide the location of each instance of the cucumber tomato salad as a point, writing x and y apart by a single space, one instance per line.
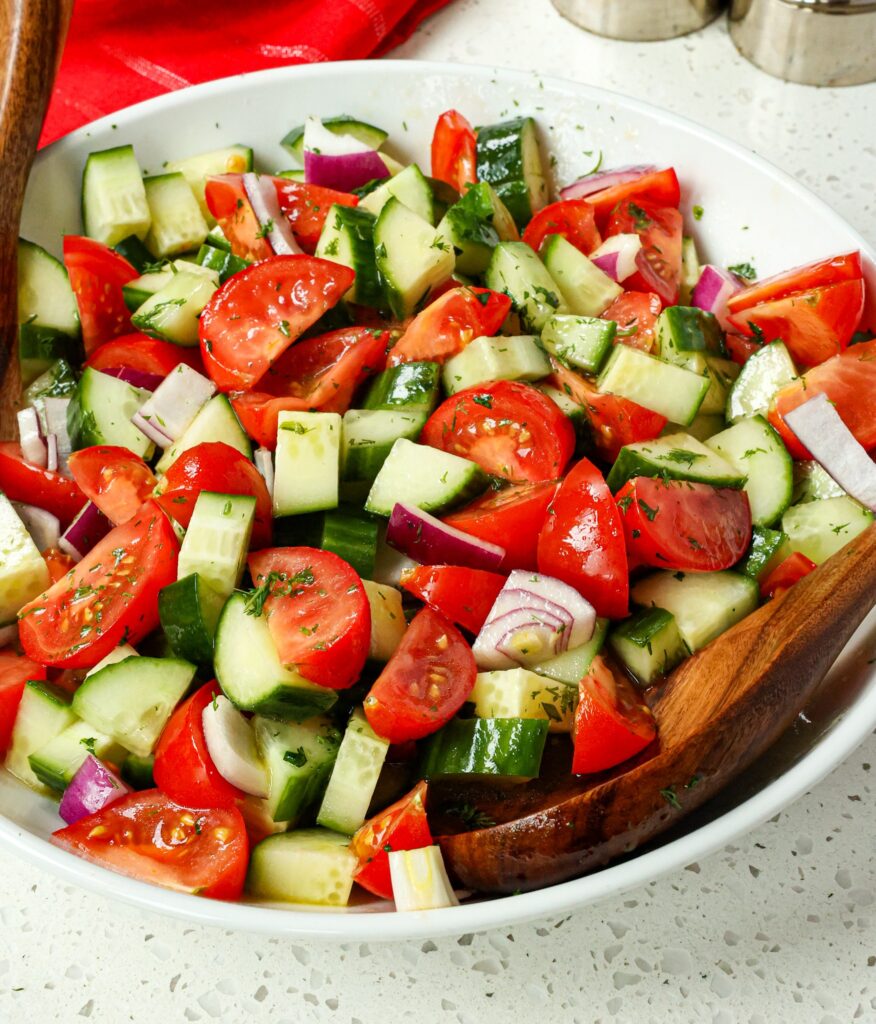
338 482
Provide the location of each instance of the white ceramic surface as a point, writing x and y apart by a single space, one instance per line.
754 212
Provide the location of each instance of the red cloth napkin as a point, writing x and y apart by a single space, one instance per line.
119 53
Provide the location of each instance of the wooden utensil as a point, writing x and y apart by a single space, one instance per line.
716 714
31 39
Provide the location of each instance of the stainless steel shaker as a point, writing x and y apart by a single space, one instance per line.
640 20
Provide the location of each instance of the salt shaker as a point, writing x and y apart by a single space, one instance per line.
640 20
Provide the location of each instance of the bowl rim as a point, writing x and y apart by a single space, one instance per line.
830 749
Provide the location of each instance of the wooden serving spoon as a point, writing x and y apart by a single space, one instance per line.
716 714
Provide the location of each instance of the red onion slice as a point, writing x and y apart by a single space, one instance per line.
89 526
430 542
264 463
336 161
55 413
167 414
92 788
616 257
136 378
44 528
592 183
711 292
33 445
262 194
52 453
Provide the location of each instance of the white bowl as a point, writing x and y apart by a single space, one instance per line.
752 212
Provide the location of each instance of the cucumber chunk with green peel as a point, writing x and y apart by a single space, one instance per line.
342 124
114 203
469 226
215 421
172 312
177 222
47 311
132 700
669 390
520 693
347 532
368 436
690 269
516 270
764 374
509 158
704 604
225 264
142 288
216 238
23 571
43 714
307 462
431 479
39 348
649 644
677 457
722 374
585 289
520 357
217 540
387 620
768 549
138 771
818 529
100 413
306 866
410 187
299 758
571 666
702 426
408 387
189 611
582 342
813 483
250 673
58 381
348 238
57 762
689 329
755 449
196 169
508 747
354 777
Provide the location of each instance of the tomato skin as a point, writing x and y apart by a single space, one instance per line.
59 564
675 524
849 381
574 219
846 267
465 596
454 151
21 480
318 613
215 466
424 683
814 325
635 314
184 770
114 478
259 312
582 541
15 671
147 836
740 349
55 629
227 200
140 352
511 518
786 574
402 826
97 274
660 187
509 429
449 323
306 207
611 723
659 259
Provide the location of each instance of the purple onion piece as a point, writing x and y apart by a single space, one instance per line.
169 411
711 292
430 542
264 463
52 453
608 264
136 378
343 172
152 430
89 527
617 256
44 528
262 194
592 183
93 787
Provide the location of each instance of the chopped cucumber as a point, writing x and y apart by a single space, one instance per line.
216 421
57 762
571 666
172 312
504 358
307 462
702 427
682 329
45 301
755 449
649 644
100 413
813 483
520 693
217 540
508 157
348 238
585 289
722 374
343 124
368 437
690 269
818 529
222 262
469 226
767 549
23 572
177 222
138 771
354 777
114 203
189 611
678 457
516 270
307 866
582 342
410 187
408 387
387 620
763 375
136 292
510 747
135 252
346 532
299 758
43 714
39 348
196 169
669 390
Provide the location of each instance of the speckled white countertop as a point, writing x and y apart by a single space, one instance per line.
777 929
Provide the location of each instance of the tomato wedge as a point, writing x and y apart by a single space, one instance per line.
511 517
317 611
846 267
635 314
675 524
660 187
786 574
574 219
140 352
465 596
447 325
97 274
659 259
306 207
611 722
184 770
227 200
149 837
402 826
582 541
259 312
110 597
115 479
15 670
849 381
424 683
215 466
21 480
509 429
59 564
454 150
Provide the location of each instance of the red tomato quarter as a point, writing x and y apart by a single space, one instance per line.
424 683
140 352
465 596
574 219
58 563
15 670
23 481
659 259
635 314
306 207
147 836
786 574
801 279
97 274
227 200
115 479
454 151
660 187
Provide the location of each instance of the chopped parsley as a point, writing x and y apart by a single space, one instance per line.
744 270
298 757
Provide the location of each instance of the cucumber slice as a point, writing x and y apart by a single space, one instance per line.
348 238
217 540
582 342
58 381
43 714
138 771
516 270
690 270
342 124
354 777
576 414
224 264
136 292
132 700
189 611
702 427
307 462
57 762
23 572
813 483
767 549
249 670
755 449
387 620
520 693
503 358
677 457
408 387
649 644
469 227
431 479
196 169
510 747
682 329
39 348
585 289
704 604
669 390
299 758
216 421
412 258
172 312
136 253
572 666
346 532
45 297
177 222
764 374
100 412
818 529
508 157
410 187
216 238
722 374
368 437
308 866
114 203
